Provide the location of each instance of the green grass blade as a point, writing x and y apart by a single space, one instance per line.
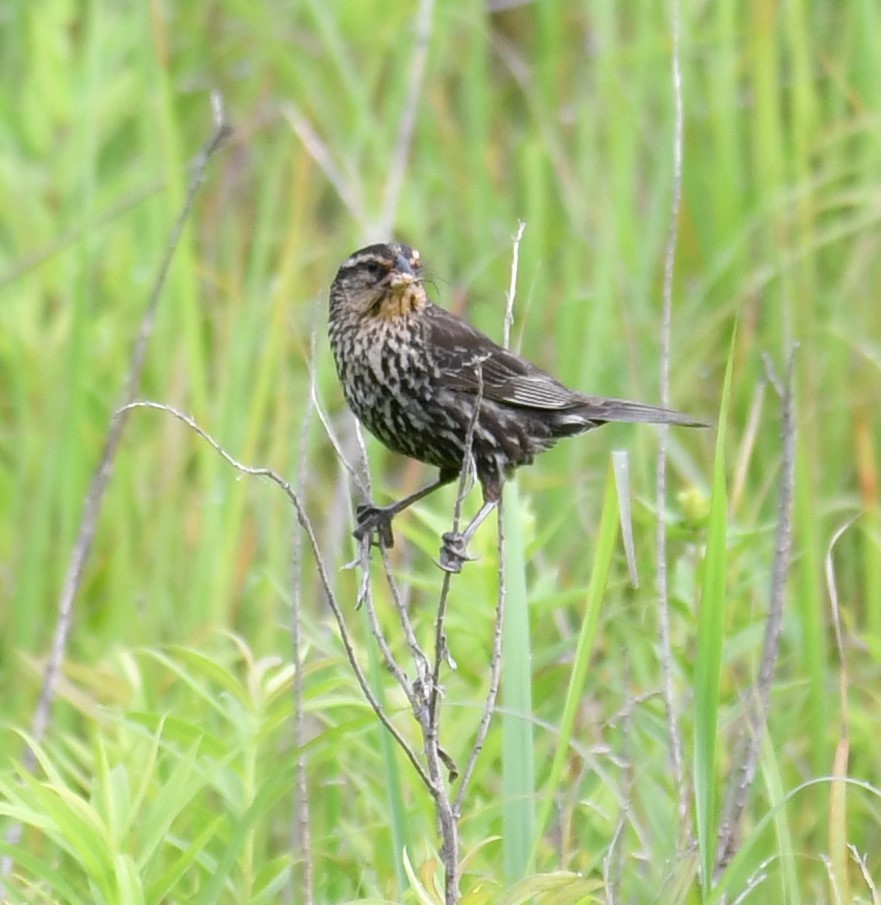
518 758
605 547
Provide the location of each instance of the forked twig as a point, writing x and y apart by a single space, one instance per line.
424 691
323 577
413 691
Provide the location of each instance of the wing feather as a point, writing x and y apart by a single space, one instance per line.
459 350
507 378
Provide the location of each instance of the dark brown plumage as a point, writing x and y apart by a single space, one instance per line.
411 372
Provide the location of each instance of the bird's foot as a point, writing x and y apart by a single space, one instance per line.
374 522
454 552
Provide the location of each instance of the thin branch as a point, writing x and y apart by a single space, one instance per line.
302 831
420 660
385 650
612 859
363 485
673 728
512 285
441 653
760 703
101 477
496 657
860 860
449 812
413 691
323 577
495 673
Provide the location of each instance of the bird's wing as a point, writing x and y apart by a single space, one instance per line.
466 357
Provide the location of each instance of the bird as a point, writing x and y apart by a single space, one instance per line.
424 381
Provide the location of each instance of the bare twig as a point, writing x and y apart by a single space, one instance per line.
420 660
760 698
323 577
612 859
302 830
449 811
101 477
414 692
441 653
673 728
512 285
489 707
385 650
860 860
357 477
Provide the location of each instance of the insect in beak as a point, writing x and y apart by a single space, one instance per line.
401 278
402 274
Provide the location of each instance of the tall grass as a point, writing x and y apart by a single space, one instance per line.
168 773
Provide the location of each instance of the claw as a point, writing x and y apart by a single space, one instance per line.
374 522
454 552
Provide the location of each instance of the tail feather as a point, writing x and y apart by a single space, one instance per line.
597 410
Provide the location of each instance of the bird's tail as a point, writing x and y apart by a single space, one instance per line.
596 410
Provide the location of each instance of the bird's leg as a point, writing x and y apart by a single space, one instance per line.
373 520
454 552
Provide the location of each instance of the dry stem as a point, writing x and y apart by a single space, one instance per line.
673 728
759 702
101 477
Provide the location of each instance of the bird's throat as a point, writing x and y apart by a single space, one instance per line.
400 302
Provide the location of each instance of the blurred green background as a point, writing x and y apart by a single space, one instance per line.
167 774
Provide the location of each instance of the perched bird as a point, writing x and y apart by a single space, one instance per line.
412 373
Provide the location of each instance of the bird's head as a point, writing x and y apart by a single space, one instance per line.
379 281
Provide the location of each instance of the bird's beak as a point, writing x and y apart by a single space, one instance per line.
402 275
399 280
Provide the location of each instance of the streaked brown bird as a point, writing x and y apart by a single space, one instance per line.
412 373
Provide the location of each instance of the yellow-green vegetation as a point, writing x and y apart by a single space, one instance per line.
169 769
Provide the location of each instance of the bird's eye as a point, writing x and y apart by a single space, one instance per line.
374 268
